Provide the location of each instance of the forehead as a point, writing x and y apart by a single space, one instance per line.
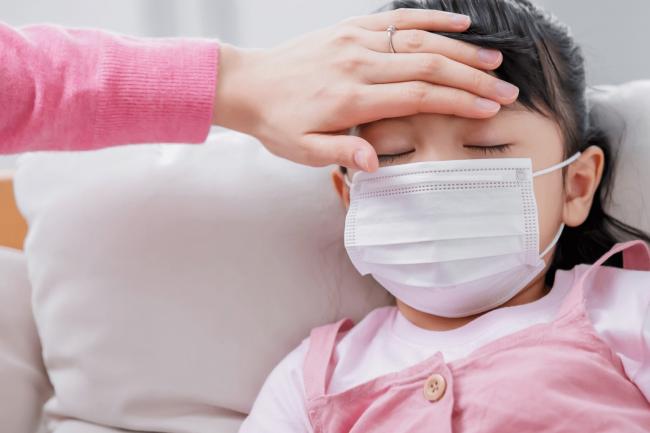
508 114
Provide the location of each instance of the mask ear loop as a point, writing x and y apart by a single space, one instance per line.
555 240
563 164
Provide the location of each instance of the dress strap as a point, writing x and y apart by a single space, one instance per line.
636 256
319 361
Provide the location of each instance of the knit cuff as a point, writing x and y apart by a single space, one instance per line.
155 90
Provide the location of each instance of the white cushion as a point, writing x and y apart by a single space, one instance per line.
169 280
23 381
624 112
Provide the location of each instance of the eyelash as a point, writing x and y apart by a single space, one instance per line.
391 158
487 150
491 150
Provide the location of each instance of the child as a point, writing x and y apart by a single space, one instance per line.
514 311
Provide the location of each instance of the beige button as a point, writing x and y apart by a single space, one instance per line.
434 387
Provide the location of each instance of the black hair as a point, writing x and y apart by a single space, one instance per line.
541 57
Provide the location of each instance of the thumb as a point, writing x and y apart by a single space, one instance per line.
349 151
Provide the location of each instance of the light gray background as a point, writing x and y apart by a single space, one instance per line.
614 35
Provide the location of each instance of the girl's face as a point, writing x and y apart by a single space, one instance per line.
513 133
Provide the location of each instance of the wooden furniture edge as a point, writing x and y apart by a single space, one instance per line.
13 227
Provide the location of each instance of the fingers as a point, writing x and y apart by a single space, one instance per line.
424 19
380 101
347 150
418 41
438 69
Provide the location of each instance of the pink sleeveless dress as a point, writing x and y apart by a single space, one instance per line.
552 377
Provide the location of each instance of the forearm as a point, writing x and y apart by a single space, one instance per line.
85 89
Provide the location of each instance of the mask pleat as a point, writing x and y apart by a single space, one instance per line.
442 250
434 216
438 179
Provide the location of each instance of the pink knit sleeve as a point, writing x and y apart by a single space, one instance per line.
73 89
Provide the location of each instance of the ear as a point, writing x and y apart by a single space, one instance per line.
341 188
580 185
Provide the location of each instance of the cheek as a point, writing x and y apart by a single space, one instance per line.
549 193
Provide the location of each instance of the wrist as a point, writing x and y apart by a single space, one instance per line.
235 106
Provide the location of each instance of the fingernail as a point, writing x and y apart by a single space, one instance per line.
459 19
489 57
487 105
506 90
361 159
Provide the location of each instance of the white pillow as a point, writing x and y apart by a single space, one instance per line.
169 280
624 112
24 386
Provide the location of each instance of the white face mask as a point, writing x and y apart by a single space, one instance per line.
450 238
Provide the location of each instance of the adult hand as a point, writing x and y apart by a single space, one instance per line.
301 98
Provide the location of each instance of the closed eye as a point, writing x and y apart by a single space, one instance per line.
490 150
388 159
